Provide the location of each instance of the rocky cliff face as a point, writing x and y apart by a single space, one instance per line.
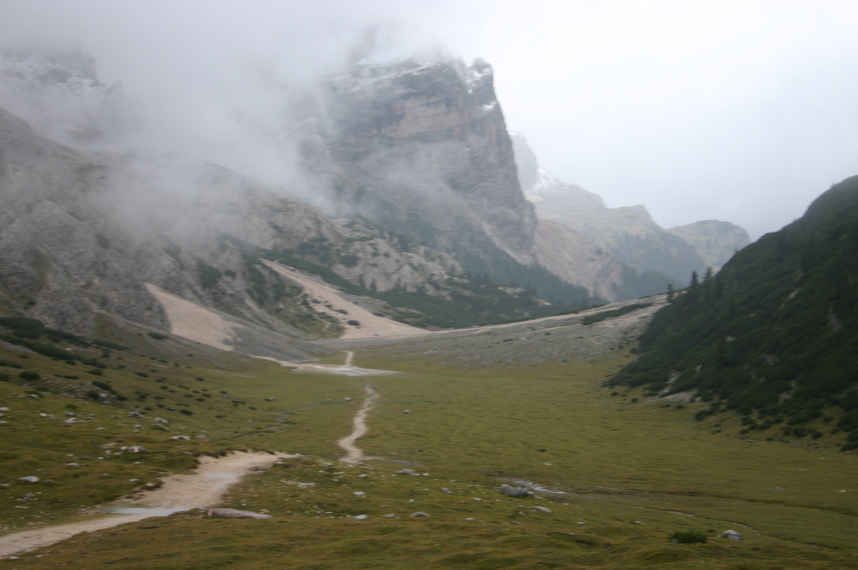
423 147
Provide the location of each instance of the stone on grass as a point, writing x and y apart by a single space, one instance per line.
29 479
511 491
542 510
406 472
731 535
419 515
361 517
235 514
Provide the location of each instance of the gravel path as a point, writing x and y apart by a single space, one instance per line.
200 489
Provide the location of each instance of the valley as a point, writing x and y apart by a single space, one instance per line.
611 475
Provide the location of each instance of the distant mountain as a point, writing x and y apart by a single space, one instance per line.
715 241
773 335
628 232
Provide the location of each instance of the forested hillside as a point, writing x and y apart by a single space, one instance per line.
773 335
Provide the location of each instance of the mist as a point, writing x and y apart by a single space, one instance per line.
741 111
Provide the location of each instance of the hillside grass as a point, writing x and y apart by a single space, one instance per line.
632 474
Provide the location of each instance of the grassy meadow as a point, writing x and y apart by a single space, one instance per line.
619 476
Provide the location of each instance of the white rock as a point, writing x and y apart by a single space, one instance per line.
29 479
361 517
542 510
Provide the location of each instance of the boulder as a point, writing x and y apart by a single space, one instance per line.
235 514
511 491
29 479
731 535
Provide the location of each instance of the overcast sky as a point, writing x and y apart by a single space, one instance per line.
741 110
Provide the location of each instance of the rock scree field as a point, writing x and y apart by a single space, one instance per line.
608 478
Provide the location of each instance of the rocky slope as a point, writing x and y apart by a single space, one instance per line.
81 235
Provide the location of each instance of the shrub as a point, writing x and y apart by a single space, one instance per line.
158 336
186 412
103 385
688 536
29 375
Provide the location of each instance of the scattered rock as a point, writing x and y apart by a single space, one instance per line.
511 491
347 399
29 479
359 494
542 510
390 516
406 472
235 514
181 437
135 415
731 535
361 517
419 515
363 476
406 411
72 464
35 396
270 399
161 421
446 490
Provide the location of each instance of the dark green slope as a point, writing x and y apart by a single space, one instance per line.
774 335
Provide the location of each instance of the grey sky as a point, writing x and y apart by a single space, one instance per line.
741 110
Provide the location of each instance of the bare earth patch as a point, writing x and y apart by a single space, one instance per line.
193 322
202 488
331 303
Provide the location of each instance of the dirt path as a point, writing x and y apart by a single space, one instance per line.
202 488
354 454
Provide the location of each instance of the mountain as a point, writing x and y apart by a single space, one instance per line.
628 232
772 335
404 193
421 148
715 241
